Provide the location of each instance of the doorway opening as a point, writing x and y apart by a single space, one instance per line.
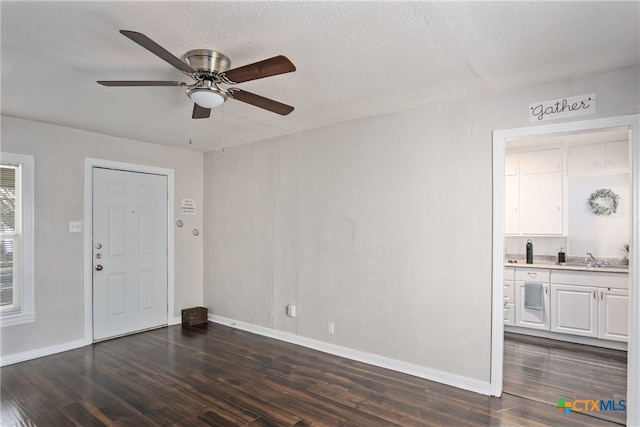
630 126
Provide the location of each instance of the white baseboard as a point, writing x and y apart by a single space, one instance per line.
10 359
47 351
458 381
595 342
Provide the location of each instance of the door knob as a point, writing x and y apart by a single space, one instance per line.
99 267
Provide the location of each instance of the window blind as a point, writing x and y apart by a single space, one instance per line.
10 227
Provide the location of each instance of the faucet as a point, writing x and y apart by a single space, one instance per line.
595 261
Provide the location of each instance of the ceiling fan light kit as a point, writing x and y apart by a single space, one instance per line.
207 95
209 69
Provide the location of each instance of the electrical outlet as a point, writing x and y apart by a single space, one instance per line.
331 328
75 226
291 310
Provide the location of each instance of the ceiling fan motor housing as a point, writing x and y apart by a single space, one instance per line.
207 61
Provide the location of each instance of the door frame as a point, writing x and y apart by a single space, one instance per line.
497 326
89 164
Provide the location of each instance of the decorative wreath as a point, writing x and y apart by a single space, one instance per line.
604 202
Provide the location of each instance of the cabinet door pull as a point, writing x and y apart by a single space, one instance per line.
534 275
546 290
602 295
595 296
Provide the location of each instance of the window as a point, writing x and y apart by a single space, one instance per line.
16 239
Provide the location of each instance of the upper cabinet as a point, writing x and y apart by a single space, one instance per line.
512 164
617 156
542 161
534 193
595 159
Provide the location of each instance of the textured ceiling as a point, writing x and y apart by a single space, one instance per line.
353 59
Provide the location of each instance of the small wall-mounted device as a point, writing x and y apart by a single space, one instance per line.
291 310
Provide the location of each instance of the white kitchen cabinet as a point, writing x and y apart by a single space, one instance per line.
512 164
530 317
509 298
542 204
585 159
574 310
512 205
613 319
617 156
595 159
534 193
509 314
593 304
541 161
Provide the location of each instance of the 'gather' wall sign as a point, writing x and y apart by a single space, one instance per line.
562 107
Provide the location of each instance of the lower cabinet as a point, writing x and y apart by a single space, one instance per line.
581 303
613 314
527 317
590 311
533 318
508 310
574 310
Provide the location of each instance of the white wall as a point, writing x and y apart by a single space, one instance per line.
381 226
59 155
604 236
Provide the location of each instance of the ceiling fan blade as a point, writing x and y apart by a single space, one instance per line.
139 83
200 112
258 70
158 50
261 102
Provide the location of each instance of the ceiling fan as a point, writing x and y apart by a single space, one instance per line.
210 69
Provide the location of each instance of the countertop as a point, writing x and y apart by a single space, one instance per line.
552 265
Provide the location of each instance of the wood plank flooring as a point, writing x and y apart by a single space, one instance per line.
220 376
543 370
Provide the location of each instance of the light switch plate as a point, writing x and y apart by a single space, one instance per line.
75 226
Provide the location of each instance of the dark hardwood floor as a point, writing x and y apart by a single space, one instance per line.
543 370
219 376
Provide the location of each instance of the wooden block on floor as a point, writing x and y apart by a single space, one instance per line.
194 316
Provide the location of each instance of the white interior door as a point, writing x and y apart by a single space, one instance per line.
129 252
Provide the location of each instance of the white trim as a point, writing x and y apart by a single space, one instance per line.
594 342
89 164
442 377
497 328
17 319
27 301
633 353
40 352
497 265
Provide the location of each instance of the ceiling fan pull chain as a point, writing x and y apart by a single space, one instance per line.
222 126
190 124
